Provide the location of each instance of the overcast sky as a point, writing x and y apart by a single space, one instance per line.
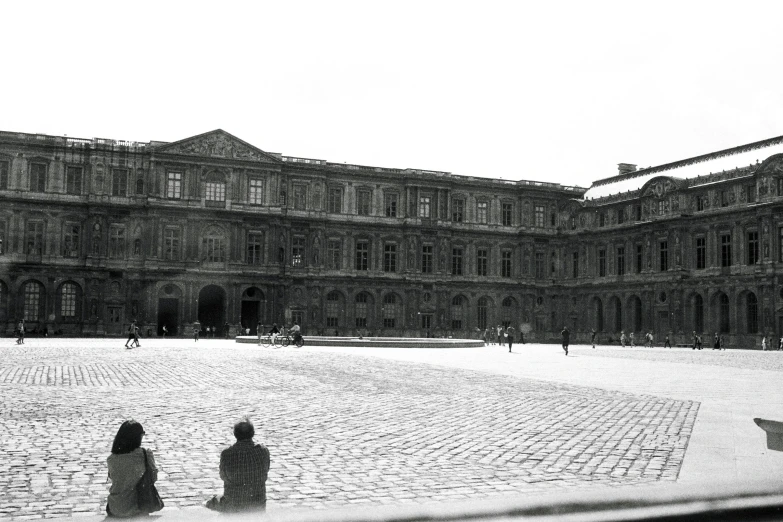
552 91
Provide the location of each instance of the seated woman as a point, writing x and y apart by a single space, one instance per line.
126 466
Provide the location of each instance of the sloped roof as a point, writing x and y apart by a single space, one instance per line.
729 159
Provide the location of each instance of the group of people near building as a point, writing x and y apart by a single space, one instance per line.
770 344
243 467
501 336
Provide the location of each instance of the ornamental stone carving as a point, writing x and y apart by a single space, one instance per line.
216 146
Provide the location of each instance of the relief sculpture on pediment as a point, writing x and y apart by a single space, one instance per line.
216 146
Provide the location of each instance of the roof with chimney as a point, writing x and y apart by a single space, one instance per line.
743 157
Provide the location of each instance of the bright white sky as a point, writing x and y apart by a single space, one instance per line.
538 90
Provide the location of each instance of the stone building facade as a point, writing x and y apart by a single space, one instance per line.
210 229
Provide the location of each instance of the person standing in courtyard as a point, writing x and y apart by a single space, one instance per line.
566 335
164 330
196 331
716 342
486 336
666 343
592 338
131 334
622 338
510 337
763 343
136 333
244 468
631 340
500 335
20 332
127 463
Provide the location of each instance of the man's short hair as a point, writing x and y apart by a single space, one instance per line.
244 430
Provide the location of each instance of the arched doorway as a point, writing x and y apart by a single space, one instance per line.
598 308
211 308
635 307
617 313
252 313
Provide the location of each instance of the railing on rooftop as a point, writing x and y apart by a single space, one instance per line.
72 142
308 161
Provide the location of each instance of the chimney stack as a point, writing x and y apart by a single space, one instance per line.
626 168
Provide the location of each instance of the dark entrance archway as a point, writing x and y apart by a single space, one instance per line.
253 301
211 308
168 313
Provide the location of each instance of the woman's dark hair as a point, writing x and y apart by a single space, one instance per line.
128 437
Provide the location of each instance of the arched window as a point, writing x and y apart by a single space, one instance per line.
140 187
723 310
698 313
457 312
483 306
391 311
361 310
68 301
752 313
599 315
509 311
333 309
215 190
33 301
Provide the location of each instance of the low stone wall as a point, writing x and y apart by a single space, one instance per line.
379 342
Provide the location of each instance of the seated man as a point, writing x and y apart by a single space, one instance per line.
243 468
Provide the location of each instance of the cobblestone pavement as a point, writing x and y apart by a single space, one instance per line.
341 429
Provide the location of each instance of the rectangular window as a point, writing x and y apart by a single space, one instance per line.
32 301
458 210
4 170
174 185
540 265
117 242
456 261
753 247
297 251
390 203
638 211
332 313
216 191
639 258
620 260
426 259
255 247
664 251
699 203
361 311
482 261
364 202
481 212
725 250
601 262
505 263
620 216
68 301
71 240
780 244
38 177
35 237
425 202
362 255
602 219
171 242
507 213
724 198
73 180
575 264
334 204
119 182
390 257
426 321
255 192
334 254
539 216
661 207
701 253
300 197
750 192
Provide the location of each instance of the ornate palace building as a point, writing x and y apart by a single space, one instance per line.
212 229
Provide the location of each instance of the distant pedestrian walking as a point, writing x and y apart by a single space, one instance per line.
631 340
764 343
244 468
510 337
127 463
695 340
666 343
131 335
622 338
566 335
196 330
592 338
164 331
499 335
716 342
486 336
226 329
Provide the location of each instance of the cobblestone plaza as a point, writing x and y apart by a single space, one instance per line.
375 426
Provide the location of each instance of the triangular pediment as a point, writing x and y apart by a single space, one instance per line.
218 144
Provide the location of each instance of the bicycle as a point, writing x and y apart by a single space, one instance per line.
266 341
287 339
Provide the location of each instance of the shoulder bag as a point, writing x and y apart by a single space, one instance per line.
148 499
